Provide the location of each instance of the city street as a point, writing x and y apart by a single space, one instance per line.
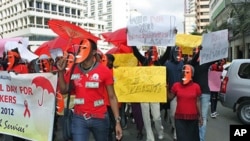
218 129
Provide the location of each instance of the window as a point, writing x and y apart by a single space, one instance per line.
109 2
46 6
204 20
39 20
109 17
67 10
204 6
46 21
31 3
60 9
32 19
53 7
38 4
73 11
244 71
78 12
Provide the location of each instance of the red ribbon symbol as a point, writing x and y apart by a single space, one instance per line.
27 111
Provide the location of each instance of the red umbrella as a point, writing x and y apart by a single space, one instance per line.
70 31
117 37
117 50
57 42
43 49
124 48
106 34
114 50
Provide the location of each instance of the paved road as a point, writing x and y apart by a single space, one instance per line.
218 129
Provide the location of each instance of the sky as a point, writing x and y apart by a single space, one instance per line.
161 7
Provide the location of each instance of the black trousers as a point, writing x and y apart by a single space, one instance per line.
187 130
214 99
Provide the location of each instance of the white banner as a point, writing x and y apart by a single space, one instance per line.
151 31
27 104
214 46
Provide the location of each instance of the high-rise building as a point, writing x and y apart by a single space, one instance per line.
115 13
28 18
202 14
189 16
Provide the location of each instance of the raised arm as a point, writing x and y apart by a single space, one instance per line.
138 55
165 56
63 86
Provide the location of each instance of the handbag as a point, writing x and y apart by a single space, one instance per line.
67 116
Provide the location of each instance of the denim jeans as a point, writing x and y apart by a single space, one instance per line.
204 99
173 105
81 128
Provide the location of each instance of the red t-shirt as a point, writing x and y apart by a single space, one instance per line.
20 68
90 89
186 100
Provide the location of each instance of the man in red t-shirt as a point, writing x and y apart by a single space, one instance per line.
90 80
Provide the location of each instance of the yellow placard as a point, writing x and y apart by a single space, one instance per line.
125 60
187 42
140 84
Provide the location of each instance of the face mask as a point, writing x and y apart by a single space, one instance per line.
152 53
11 57
70 62
44 65
186 74
177 54
83 51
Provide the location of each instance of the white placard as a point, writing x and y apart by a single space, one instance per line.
214 46
151 31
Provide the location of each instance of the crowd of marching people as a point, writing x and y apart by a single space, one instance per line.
96 108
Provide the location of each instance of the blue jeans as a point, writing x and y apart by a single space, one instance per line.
81 128
205 99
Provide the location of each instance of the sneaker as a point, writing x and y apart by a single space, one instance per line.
160 137
216 113
213 115
133 120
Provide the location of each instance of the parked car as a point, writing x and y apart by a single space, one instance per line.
235 89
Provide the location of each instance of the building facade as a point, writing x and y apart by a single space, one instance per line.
201 14
28 18
114 13
221 13
189 16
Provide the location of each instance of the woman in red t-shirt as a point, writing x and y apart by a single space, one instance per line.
187 115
